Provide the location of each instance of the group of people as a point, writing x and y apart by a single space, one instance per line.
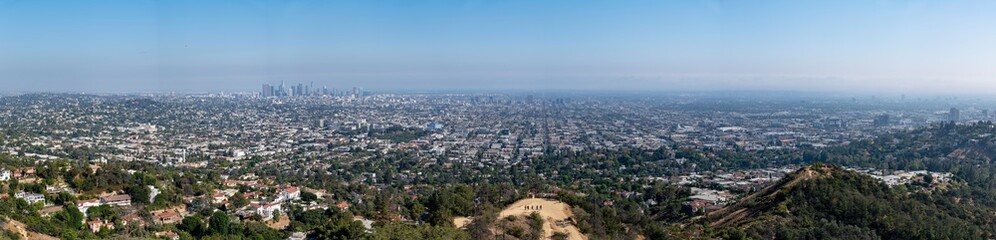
537 207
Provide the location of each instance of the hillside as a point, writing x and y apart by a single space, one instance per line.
21 231
555 215
828 202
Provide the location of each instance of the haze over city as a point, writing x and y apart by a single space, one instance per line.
199 46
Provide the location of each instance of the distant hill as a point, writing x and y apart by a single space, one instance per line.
829 202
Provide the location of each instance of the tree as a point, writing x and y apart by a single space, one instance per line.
192 224
441 217
75 216
201 205
559 236
536 226
101 212
392 231
339 227
238 201
308 196
69 234
64 198
139 193
276 215
480 227
219 223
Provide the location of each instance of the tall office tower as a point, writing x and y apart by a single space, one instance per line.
954 115
266 91
325 90
882 120
281 91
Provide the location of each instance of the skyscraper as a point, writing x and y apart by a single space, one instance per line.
954 115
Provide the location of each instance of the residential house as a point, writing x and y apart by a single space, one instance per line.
266 210
117 200
289 194
218 197
48 211
30 197
167 216
343 206
83 205
96 225
298 236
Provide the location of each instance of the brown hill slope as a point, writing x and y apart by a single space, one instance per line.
829 202
762 201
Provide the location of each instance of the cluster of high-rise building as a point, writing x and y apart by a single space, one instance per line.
305 90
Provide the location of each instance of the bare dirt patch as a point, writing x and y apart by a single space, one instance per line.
461 222
280 224
556 216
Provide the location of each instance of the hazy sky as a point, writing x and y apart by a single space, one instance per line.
133 45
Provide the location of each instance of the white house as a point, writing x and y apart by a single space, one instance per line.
266 211
30 197
83 205
289 194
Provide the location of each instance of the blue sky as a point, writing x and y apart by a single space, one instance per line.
121 46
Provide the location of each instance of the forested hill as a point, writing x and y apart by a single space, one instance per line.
829 202
963 150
